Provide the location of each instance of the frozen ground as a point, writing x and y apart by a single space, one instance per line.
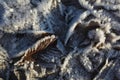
59 39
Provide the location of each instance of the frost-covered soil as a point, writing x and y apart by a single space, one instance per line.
59 39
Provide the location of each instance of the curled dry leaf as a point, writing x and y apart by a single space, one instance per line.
74 23
84 27
38 46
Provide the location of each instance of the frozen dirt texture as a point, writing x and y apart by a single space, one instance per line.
59 39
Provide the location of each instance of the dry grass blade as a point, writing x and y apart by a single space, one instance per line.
37 34
38 46
116 47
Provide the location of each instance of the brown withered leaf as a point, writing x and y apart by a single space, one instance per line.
38 46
